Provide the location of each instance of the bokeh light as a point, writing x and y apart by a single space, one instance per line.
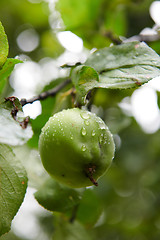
28 40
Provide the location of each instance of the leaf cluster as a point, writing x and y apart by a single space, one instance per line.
125 205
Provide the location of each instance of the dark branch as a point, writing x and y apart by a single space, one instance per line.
89 173
44 95
110 36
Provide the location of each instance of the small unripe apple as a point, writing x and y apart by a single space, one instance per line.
76 147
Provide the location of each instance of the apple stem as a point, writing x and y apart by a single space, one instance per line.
90 171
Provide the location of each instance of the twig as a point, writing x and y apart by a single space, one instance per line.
44 95
114 39
89 173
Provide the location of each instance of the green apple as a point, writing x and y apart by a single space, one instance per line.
57 197
76 147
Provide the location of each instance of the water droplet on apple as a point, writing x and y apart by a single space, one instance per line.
101 138
85 115
102 125
86 122
93 133
83 148
83 131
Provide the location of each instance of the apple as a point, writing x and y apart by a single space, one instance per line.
76 147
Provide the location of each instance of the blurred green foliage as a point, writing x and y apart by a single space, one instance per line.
126 202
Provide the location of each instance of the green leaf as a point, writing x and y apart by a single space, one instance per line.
124 55
3 46
8 68
11 132
90 208
13 184
6 71
128 77
119 67
84 78
57 197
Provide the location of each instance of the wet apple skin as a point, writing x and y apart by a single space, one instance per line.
73 141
